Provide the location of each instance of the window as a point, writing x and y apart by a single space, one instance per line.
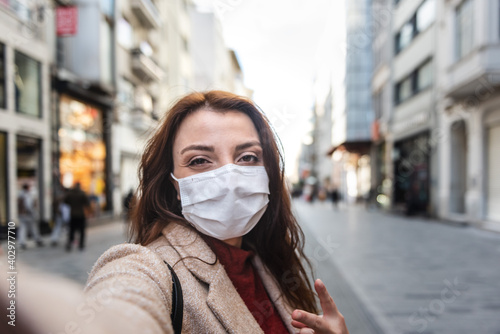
106 52
126 93
405 36
108 7
2 77
125 34
424 76
21 8
423 18
426 15
404 90
27 80
146 48
464 29
418 80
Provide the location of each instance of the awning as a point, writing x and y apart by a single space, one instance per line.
361 147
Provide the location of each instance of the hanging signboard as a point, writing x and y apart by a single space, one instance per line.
66 21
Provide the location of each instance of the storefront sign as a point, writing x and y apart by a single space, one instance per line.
67 21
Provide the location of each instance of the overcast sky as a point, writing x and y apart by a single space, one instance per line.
282 45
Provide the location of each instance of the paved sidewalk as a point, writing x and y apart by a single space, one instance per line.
413 275
76 264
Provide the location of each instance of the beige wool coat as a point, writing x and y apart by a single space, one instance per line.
134 281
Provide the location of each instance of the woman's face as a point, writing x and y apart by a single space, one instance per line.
208 140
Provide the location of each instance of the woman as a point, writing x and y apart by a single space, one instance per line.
212 203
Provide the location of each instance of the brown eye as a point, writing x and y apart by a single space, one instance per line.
197 162
249 158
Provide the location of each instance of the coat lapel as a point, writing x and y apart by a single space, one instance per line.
284 310
227 305
223 299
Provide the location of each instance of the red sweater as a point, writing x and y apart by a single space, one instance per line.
248 283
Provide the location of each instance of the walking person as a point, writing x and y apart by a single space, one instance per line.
335 197
79 209
27 209
216 246
61 220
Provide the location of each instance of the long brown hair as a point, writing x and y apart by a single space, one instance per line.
277 238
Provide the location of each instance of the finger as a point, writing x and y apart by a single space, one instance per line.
308 319
326 301
306 331
298 324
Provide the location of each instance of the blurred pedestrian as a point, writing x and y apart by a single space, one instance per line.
27 209
213 203
62 218
335 197
79 210
127 203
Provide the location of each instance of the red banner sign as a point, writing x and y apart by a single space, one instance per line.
66 21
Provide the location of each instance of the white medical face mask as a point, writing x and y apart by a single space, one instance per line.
226 202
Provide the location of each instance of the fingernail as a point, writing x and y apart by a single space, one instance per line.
298 315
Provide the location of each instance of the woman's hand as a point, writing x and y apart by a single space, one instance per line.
331 322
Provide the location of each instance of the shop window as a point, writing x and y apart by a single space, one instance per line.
3 179
27 80
2 77
29 158
82 148
464 29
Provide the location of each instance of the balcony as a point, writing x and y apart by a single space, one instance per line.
147 13
141 121
474 75
144 67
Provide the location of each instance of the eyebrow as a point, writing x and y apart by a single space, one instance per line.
198 148
247 145
211 148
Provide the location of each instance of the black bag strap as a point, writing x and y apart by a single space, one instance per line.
177 302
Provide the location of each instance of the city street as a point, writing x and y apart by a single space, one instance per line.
387 274
411 275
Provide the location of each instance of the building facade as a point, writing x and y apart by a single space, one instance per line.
469 110
139 77
352 113
25 115
83 102
435 91
414 119
382 96
82 86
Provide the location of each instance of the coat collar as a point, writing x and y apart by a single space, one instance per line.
200 260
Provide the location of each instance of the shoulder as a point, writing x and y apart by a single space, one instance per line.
129 260
132 278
